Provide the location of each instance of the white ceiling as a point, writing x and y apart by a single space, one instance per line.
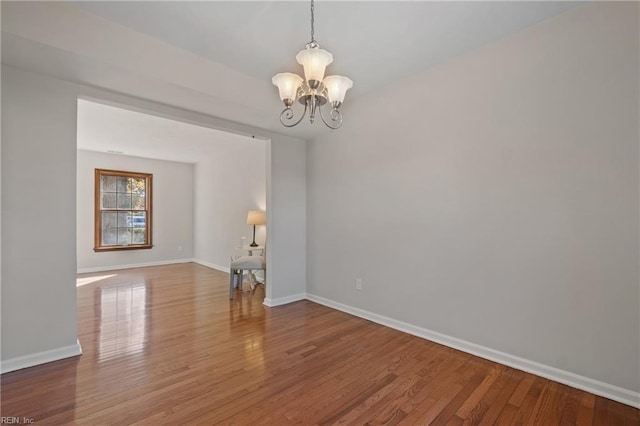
218 57
114 130
373 42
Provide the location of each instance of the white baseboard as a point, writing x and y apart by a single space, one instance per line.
596 387
133 265
211 265
283 300
31 360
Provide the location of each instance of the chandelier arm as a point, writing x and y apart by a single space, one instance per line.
287 114
335 116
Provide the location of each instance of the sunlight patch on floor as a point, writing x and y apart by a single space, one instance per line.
88 280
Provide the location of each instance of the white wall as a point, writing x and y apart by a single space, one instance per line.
494 198
227 186
39 169
286 189
38 216
173 196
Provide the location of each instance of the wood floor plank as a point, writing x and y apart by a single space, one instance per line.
569 414
521 391
479 392
530 401
584 415
454 404
549 405
507 415
165 345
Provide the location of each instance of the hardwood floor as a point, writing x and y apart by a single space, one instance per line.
164 345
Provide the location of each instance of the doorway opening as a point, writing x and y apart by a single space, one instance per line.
205 181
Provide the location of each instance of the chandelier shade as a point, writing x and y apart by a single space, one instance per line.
314 62
288 84
337 86
314 90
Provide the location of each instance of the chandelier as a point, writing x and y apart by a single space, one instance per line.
315 89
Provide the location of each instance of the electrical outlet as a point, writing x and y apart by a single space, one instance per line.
179 248
358 283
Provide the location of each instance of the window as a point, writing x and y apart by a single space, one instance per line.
122 210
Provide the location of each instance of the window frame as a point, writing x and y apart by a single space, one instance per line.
98 210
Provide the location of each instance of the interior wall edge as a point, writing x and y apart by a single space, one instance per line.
31 360
211 265
278 301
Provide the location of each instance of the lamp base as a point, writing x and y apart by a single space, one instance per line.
253 244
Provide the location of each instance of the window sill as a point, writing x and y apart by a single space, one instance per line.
118 248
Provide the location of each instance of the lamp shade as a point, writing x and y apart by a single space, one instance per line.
337 86
288 84
256 218
314 62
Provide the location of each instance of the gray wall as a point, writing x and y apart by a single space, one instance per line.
39 171
494 198
172 210
38 215
228 184
285 168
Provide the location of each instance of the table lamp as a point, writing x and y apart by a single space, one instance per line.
255 218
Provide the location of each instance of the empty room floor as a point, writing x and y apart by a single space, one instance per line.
165 345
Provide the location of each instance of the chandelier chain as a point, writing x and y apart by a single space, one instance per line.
313 40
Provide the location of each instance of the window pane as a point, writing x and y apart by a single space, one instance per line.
124 219
138 186
138 202
122 183
108 183
139 235
124 236
124 201
109 229
109 200
137 220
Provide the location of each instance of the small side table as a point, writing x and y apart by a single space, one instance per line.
251 249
